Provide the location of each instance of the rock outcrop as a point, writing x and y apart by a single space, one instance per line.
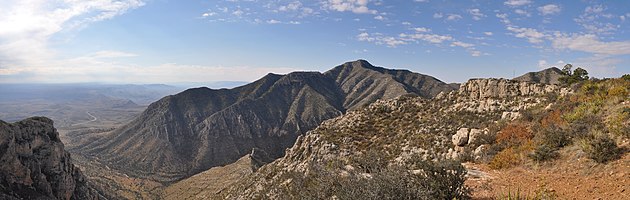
34 164
494 95
200 128
504 88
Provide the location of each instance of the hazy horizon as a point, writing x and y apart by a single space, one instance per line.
162 42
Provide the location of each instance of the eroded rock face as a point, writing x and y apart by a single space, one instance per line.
34 165
503 88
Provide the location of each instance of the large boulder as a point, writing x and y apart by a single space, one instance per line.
461 137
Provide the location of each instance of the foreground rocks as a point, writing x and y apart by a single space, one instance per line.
34 164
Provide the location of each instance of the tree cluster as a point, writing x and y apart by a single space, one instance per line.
575 76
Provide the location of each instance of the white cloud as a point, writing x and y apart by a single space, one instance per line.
504 18
380 39
590 43
542 64
522 12
517 2
431 38
293 6
438 15
532 35
273 21
112 54
476 14
596 21
379 17
549 9
355 6
27 26
488 33
461 44
422 29
453 17
208 14
420 34
238 13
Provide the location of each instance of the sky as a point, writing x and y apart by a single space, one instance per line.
169 41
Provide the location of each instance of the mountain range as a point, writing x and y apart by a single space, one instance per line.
192 131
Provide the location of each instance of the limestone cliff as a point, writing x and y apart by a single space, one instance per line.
34 164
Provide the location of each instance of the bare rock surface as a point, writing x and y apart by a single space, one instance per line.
34 164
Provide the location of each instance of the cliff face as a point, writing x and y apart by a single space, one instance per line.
502 88
34 164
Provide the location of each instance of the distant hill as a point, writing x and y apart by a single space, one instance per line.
183 134
34 164
546 76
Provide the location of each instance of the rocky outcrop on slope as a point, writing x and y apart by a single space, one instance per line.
546 76
484 95
447 127
34 165
200 128
503 88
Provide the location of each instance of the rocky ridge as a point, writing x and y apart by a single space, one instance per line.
34 164
451 126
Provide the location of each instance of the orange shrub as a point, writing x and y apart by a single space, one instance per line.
514 134
505 159
552 118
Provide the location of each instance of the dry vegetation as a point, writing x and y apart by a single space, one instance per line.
583 137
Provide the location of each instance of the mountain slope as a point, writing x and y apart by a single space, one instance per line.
200 128
546 76
34 165
373 152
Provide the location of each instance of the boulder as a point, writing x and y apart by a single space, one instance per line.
461 137
475 136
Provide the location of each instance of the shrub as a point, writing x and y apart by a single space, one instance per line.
553 137
618 91
580 128
626 77
444 179
617 124
505 159
514 134
601 148
543 153
553 118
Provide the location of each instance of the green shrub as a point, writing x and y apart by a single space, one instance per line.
601 148
554 137
436 180
543 153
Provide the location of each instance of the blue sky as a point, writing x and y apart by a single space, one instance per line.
166 41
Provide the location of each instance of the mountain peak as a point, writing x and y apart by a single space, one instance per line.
547 76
